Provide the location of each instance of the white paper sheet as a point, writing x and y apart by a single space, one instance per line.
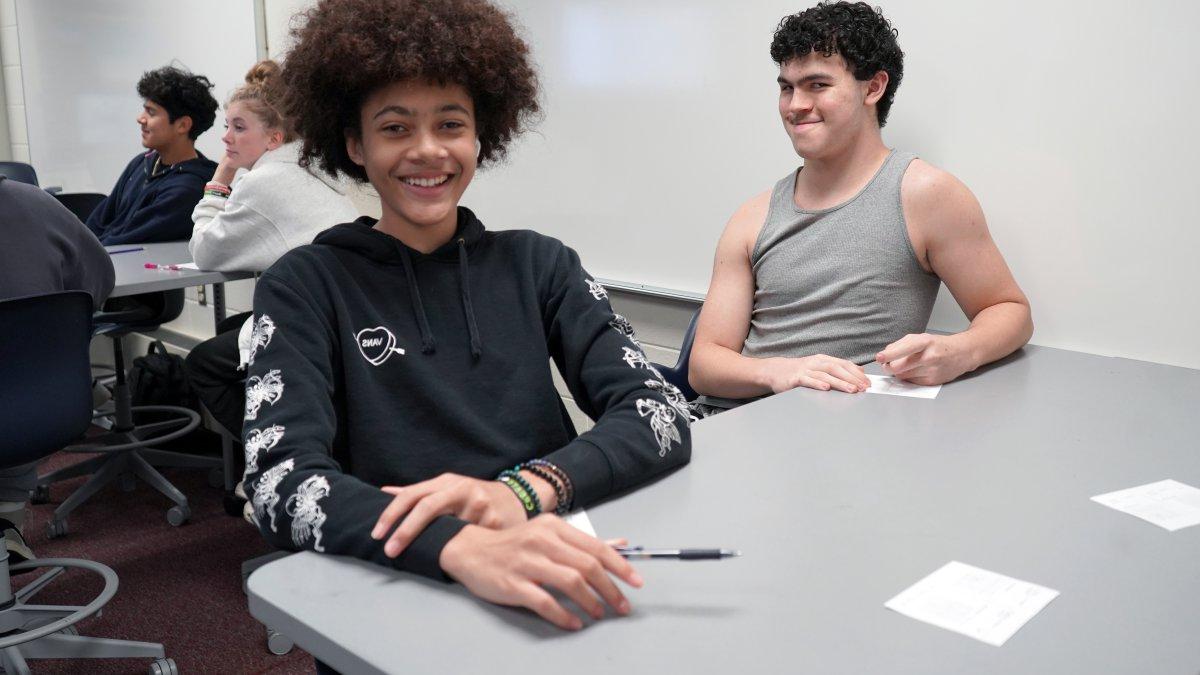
886 384
581 522
977 603
1169 504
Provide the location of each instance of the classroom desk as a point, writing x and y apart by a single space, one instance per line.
839 502
134 278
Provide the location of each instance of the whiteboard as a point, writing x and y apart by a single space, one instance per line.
1071 122
80 63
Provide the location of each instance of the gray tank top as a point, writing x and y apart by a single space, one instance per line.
842 281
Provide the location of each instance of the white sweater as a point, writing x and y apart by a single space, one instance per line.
274 207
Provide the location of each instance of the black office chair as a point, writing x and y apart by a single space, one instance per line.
19 171
678 374
24 173
80 203
127 450
45 403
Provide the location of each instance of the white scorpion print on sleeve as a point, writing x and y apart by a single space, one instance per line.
260 336
306 513
674 397
622 326
662 422
636 358
259 441
596 289
266 494
265 389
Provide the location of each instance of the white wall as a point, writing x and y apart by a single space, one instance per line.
80 63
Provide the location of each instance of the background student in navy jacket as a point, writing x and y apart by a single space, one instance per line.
399 403
154 197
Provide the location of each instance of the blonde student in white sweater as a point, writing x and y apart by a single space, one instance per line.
259 205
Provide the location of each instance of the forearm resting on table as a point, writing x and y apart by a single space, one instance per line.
996 332
717 370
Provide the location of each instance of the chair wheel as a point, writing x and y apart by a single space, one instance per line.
278 643
216 478
164 667
233 505
41 495
56 529
127 482
178 515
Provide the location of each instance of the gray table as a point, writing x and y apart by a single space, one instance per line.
839 502
134 278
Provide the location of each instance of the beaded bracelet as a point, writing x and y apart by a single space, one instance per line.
219 187
523 490
560 490
566 499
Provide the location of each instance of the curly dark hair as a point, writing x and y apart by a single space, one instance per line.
347 49
181 94
860 33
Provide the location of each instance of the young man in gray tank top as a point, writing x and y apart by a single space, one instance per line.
839 264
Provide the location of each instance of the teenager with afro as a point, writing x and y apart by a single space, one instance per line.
399 403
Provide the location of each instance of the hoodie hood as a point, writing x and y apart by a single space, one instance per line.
362 238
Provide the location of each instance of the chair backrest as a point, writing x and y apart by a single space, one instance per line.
80 203
19 171
45 375
678 374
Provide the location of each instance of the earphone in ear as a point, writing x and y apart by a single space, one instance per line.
478 147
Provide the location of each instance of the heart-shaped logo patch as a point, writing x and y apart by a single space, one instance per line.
377 344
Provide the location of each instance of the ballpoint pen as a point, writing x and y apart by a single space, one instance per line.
643 553
126 250
156 266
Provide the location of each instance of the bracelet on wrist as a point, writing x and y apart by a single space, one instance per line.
560 491
564 489
523 490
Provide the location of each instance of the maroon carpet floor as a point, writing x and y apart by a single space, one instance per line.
180 586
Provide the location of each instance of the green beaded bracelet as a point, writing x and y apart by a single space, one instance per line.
523 490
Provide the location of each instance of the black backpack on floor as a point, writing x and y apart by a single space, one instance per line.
158 378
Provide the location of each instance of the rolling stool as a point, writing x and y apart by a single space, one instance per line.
126 451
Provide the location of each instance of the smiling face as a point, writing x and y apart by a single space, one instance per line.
247 137
824 109
418 150
158 132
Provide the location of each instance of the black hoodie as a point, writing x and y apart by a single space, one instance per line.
373 364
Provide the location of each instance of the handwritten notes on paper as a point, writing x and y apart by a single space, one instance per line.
977 603
1169 504
885 384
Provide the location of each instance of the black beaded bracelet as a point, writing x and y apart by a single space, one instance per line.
560 490
566 500
524 491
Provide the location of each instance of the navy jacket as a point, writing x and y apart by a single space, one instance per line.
374 365
146 207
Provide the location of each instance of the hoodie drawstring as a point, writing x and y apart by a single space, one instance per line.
427 344
472 328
